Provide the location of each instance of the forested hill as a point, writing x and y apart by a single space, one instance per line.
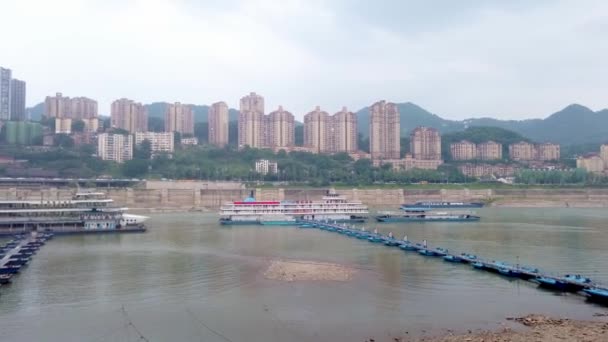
573 125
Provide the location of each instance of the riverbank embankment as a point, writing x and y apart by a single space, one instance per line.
168 199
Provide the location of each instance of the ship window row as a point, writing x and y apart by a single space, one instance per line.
50 205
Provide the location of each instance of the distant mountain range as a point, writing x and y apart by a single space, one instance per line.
573 125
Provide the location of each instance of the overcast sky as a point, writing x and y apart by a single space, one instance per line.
459 59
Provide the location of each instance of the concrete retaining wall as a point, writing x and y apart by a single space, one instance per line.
199 199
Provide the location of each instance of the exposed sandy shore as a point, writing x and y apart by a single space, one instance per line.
307 271
537 328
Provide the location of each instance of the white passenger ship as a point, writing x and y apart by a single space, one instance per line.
86 212
332 207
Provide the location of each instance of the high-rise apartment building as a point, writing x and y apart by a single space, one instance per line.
83 108
160 142
63 125
252 132
384 132
280 128
466 150
129 115
57 106
425 143
91 125
5 93
525 151
179 118
522 151
18 93
343 135
77 108
218 124
330 134
547 151
318 131
463 150
489 150
116 147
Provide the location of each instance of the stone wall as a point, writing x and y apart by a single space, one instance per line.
211 199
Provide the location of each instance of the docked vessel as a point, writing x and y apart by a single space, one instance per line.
85 212
440 205
332 208
426 216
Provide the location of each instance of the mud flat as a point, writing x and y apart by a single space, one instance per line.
307 271
537 328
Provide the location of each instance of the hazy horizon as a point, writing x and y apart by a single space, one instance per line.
507 60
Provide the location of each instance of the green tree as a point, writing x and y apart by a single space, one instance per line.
78 126
143 150
156 124
64 141
119 131
135 168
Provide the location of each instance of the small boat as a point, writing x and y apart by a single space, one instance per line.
392 242
468 258
554 284
375 238
453 258
440 251
597 294
509 272
5 278
576 282
306 225
478 265
10 269
428 252
230 222
362 235
410 247
17 262
527 273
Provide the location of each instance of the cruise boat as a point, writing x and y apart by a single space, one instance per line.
85 212
332 208
440 205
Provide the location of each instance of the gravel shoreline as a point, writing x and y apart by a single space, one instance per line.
537 328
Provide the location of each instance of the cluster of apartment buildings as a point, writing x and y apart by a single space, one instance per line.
325 133
491 150
523 152
65 111
12 97
127 115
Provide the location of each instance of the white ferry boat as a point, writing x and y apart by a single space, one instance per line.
86 212
332 207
